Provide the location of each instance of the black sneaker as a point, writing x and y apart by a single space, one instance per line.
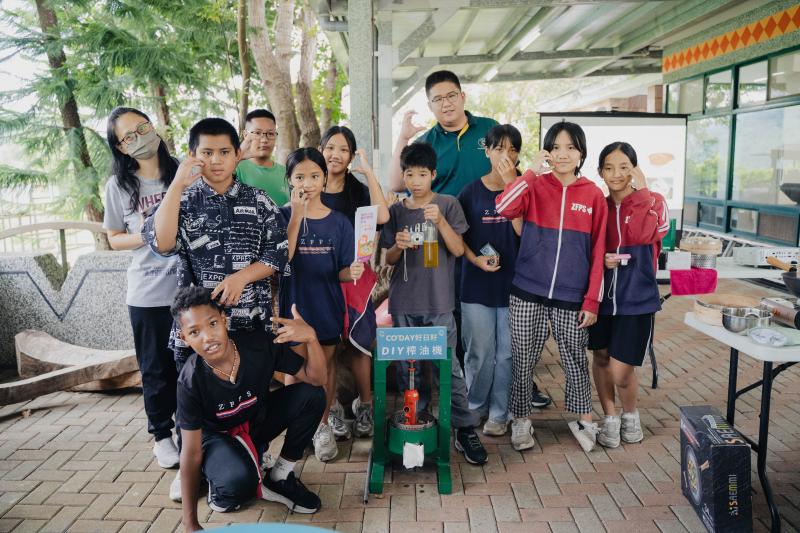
292 493
540 400
216 507
468 443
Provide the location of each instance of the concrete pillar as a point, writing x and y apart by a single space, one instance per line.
386 62
361 33
655 99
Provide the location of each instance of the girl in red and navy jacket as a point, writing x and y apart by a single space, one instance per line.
558 276
637 221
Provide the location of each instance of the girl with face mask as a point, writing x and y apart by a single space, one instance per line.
142 169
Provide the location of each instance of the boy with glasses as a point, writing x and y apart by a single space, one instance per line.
256 167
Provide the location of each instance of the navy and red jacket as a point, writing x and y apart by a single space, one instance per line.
563 237
635 227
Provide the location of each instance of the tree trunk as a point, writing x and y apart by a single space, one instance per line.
309 127
326 110
244 60
162 110
276 81
70 118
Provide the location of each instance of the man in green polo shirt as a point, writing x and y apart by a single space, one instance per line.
257 168
457 137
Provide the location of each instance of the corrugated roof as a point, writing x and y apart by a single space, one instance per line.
510 40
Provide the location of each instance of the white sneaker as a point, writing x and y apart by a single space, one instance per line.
522 434
268 460
495 429
167 455
175 488
631 430
585 433
364 425
341 431
325 443
609 432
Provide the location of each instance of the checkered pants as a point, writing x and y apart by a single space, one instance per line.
529 330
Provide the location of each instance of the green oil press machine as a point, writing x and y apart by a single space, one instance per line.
405 433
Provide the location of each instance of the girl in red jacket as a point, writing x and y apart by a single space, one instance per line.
637 221
558 276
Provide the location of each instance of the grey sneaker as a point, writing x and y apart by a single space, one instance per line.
364 425
341 431
585 433
175 488
495 428
324 443
631 430
522 434
609 432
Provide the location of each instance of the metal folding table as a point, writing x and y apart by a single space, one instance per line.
726 269
775 361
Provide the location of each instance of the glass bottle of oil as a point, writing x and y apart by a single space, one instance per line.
430 245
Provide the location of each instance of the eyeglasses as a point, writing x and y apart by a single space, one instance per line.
268 134
142 129
450 97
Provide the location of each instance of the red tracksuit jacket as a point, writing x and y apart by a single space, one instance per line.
563 237
635 227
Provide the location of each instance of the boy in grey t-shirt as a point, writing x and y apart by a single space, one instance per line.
423 297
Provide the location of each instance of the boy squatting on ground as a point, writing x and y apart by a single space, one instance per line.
228 416
420 296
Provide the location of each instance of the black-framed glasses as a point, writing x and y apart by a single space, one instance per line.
271 135
142 129
451 97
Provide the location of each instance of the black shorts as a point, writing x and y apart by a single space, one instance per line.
333 341
626 337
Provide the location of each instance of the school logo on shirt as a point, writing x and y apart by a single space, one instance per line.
313 246
580 208
482 144
490 216
233 408
627 218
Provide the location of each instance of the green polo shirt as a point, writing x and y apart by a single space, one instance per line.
460 155
271 180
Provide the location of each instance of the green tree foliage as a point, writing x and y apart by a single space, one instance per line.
177 61
517 103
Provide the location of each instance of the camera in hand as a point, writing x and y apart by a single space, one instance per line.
417 236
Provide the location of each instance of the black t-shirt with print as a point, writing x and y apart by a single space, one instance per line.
207 402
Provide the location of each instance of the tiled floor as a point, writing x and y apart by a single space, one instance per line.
83 462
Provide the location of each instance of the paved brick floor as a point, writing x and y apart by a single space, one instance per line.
83 463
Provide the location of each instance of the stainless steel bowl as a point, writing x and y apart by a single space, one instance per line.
703 261
740 319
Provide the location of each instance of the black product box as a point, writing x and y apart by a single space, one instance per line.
715 470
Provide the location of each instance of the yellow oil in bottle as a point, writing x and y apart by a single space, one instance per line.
431 257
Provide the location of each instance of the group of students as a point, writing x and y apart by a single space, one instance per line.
519 255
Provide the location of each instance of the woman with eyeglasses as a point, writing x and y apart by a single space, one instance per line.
142 169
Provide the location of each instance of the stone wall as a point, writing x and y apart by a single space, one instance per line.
88 309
